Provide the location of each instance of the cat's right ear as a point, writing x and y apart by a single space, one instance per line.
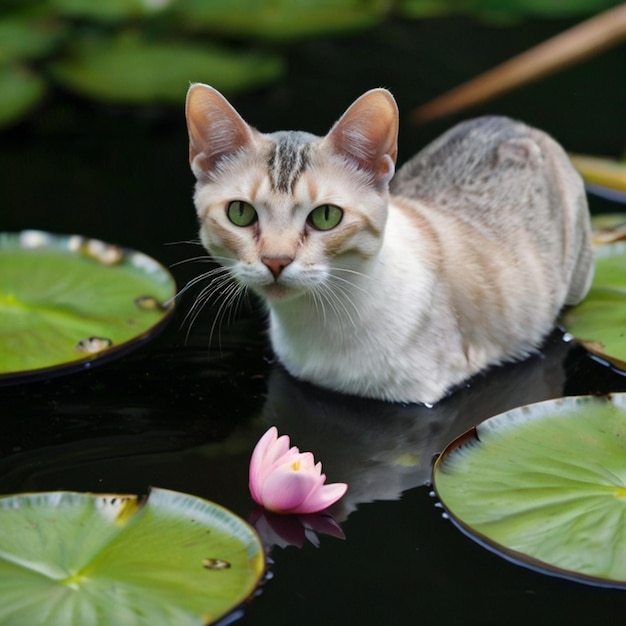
215 129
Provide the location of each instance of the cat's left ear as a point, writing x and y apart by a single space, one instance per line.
367 134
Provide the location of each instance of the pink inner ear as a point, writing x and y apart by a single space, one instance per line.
367 134
215 128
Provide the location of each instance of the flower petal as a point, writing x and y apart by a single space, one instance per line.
321 498
260 450
285 491
269 451
257 461
307 463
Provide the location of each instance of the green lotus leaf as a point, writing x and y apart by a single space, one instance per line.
425 8
75 559
599 322
545 486
510 9
25 38
280 19
69 300
21 90
111 10
131 70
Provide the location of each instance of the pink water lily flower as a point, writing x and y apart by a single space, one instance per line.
285 480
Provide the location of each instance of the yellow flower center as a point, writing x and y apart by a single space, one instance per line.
620 492
295 466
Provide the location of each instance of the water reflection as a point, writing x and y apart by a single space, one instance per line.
293 530
187 420
383 449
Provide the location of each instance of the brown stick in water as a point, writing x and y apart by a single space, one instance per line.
575 44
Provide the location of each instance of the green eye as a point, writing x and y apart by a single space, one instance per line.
241 213
325 217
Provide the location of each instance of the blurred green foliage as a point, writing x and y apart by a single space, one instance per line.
148 51
506 10
136 69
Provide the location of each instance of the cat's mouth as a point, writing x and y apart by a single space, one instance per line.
278 291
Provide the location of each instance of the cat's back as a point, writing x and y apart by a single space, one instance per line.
464 159
479 167
511 183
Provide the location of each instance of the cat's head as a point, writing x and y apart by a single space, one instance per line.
286 210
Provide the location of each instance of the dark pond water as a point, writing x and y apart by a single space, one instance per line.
180 415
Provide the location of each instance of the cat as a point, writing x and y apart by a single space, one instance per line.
395 287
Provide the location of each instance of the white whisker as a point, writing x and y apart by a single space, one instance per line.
197 279
318 303
196 259
192 242
339 288
221 291
325 299
349 271
231 295
336 297
339 279
201 300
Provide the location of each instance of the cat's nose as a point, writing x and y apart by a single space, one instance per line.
276 264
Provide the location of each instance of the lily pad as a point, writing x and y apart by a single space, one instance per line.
111 10
281 19
512 9
21 37
129 69
67 302
599 322
545 487
75 559
21 91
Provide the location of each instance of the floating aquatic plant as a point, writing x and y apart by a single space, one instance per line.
599 321
135 70
75 559
234 46
545 486
68 301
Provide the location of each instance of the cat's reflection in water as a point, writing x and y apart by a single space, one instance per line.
382 449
